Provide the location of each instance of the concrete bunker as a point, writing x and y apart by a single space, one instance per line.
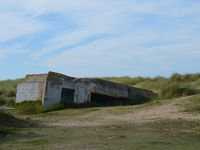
54 88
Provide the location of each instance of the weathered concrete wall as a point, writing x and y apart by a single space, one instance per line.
101 87
29 91
36 77
54 85
84 88
134 93
82 94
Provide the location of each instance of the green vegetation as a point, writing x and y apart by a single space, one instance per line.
35 107
174 90
9 124
192 104
8 87
2 101
30 107
56 106
8 91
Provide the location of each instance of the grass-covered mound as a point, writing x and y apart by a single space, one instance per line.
8 91
175 90
8 87
9 123
192 104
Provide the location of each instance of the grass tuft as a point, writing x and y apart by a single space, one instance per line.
2 101
30 107
8 123
56 106
174 90
192 104
35 107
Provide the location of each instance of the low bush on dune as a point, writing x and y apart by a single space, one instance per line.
174 90
8 91
8 87
184 78
193 105
7 101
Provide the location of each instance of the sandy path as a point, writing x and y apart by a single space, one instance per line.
163 111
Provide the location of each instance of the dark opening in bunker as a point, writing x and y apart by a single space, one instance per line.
67 96
107 100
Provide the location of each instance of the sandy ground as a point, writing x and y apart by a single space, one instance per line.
165 111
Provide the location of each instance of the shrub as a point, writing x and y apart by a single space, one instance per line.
7 101
173 90
10 102
185 77
11 93
9 123
8 87
175 77
193 104
5 121
2 101
2 91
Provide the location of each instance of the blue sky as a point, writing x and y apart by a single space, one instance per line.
87 38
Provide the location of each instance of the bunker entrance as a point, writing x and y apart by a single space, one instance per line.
107 100
67 96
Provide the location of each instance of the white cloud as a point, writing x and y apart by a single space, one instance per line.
14 26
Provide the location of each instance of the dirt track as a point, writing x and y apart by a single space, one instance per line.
165 111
